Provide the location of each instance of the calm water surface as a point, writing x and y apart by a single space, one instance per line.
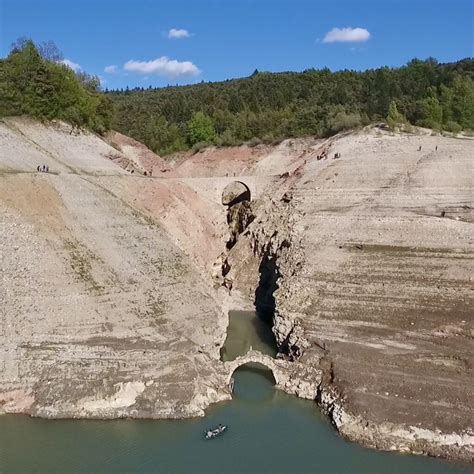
269 431
246 330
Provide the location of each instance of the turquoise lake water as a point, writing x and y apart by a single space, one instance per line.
269 432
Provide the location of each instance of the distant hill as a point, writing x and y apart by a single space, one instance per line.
271 106
264 107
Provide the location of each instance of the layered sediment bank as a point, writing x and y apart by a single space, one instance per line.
116 285
373 254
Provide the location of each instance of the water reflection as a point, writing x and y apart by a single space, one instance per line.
254 382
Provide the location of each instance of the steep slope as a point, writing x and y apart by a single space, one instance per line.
102 314
137 154
373 273
115 286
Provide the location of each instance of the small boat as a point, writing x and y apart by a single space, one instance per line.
215 432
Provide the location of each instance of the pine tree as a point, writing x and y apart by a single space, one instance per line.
32 82
394 117
433 113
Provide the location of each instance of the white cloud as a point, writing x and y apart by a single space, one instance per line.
112 69
102 80
163 66
346 35
74 66
178 34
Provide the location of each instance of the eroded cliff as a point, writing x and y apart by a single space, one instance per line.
102 314
116 286
373 255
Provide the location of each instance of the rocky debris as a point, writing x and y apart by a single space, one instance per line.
122 161
294 343
239 216
135 155
220 269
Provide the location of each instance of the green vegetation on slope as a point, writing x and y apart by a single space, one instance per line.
272 106
34 82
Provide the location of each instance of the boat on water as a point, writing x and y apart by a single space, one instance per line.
213 433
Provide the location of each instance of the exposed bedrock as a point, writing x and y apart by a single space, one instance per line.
236 197
375 282
261 264
239 216
108 307
102 314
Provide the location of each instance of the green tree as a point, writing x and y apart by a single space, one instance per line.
433 113
201 129
394 117
462 103
339 119
33 82
272 106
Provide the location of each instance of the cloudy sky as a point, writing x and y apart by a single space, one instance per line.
145 42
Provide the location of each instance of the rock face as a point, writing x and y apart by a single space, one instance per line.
135 155
102 315
374 277
115 287
239 216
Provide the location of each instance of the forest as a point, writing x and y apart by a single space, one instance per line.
267 107
34 82
264 107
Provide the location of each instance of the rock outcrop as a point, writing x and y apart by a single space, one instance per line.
374 256
116 286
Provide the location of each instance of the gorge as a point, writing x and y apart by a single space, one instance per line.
117 286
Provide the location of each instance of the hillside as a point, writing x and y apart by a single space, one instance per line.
369 257
100 307
34 81
116 286
272 106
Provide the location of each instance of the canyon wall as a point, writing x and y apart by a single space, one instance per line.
116 285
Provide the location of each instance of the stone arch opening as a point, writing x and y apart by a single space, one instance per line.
257 364
236 196
235 192
260 368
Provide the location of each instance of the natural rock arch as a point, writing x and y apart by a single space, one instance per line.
235 192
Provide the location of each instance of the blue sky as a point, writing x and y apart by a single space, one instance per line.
184 41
